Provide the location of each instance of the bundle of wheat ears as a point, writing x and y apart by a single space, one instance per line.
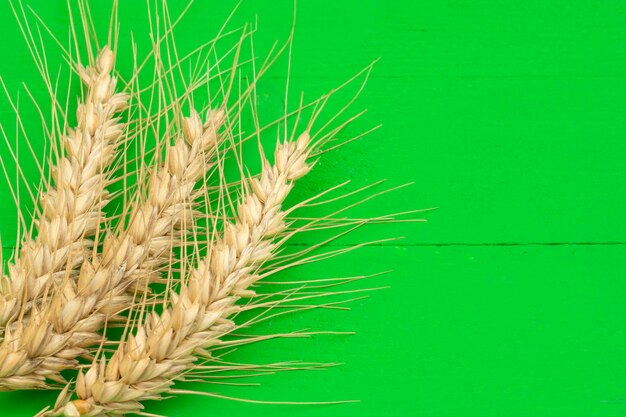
159 228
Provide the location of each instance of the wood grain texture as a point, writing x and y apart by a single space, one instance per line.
509 116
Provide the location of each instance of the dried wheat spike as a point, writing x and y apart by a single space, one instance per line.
146 365
71 214
61 331
71 208
157 223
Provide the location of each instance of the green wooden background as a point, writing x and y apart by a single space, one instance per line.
510 117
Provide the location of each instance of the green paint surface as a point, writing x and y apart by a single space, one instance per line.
509 117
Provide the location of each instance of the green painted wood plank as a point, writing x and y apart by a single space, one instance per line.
473 331
507 116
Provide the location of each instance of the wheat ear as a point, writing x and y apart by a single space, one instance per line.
147 364
61 331
71 208
71 212
156 223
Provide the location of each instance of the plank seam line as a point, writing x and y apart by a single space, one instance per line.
454 244
483 244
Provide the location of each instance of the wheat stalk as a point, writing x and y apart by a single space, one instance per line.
165 346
